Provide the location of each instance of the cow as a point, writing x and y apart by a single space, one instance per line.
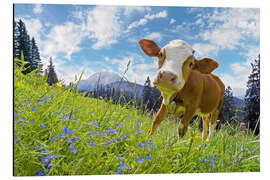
186 82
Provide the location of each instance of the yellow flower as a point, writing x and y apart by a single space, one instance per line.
197 148
198 137
58 85
218 120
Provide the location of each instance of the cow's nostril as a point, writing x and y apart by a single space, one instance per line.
173 79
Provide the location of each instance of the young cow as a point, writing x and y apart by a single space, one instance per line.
188 82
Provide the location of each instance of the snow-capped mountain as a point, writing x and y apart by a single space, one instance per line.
100 78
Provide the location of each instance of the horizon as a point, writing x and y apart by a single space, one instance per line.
228 35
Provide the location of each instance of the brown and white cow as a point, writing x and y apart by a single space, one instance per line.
188 82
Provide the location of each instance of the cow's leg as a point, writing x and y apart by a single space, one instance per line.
189 112
205 126
212 126
160 116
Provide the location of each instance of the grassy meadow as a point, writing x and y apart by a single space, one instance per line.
57 131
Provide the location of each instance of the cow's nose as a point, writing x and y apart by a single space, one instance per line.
165 77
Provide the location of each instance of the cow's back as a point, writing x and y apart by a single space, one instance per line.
213 92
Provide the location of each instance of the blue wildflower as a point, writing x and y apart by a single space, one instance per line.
122 165
140 160
150 142
92 143
34 109
32 122
53 139
65 130
62 135
50 165
215 156
123 137
139 131
38 148
24 118
69 140
148 158
39 173
212 164
108 142
74 139
120 125
42 124
119 158
105 134
141 145
118 172
47 170
96 123
72 148
16 115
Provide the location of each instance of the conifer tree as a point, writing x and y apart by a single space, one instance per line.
147 94
252 97
52 77
35 56
228 108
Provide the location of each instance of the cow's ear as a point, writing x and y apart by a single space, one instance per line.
149 47
205 65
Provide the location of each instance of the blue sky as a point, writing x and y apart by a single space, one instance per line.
105 38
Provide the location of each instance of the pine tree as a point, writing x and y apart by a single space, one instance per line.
228 108
24 44
52 77
35 56
156 99
16 50
147 94
252 97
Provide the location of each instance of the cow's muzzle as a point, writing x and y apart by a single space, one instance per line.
166 79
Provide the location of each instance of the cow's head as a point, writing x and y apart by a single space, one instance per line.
176 60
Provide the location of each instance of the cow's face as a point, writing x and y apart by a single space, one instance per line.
175 64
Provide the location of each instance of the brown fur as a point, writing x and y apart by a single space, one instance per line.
202 91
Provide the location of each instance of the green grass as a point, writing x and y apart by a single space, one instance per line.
59 132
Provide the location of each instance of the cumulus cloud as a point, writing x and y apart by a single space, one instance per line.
154 36
172 21
228 28
63 39
38 9
146 18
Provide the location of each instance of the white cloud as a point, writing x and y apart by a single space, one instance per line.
172 21
229 28
154 36
146 18
63 39
205 49
38 9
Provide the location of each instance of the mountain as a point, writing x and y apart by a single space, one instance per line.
100 78
239 102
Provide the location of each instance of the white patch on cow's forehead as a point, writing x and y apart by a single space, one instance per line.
177 51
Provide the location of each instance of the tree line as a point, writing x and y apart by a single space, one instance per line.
24 45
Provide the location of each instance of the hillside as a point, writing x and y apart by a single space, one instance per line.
59 132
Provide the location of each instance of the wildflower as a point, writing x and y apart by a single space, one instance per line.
69 140
16 115
115 139
218 120
72 148
139 131
34 109
65 130
212 164
42 124
198 137
105 134
150 142
122 165
32 122
197 148
118 172
137 121
62 135
74 139
148 158
92 143
215 156
50 165
108 142
53 139
59 85
140 160
96 123
123 137
119 158
39 173
120 125
141 145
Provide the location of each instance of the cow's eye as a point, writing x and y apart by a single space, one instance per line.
160 54
190 64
